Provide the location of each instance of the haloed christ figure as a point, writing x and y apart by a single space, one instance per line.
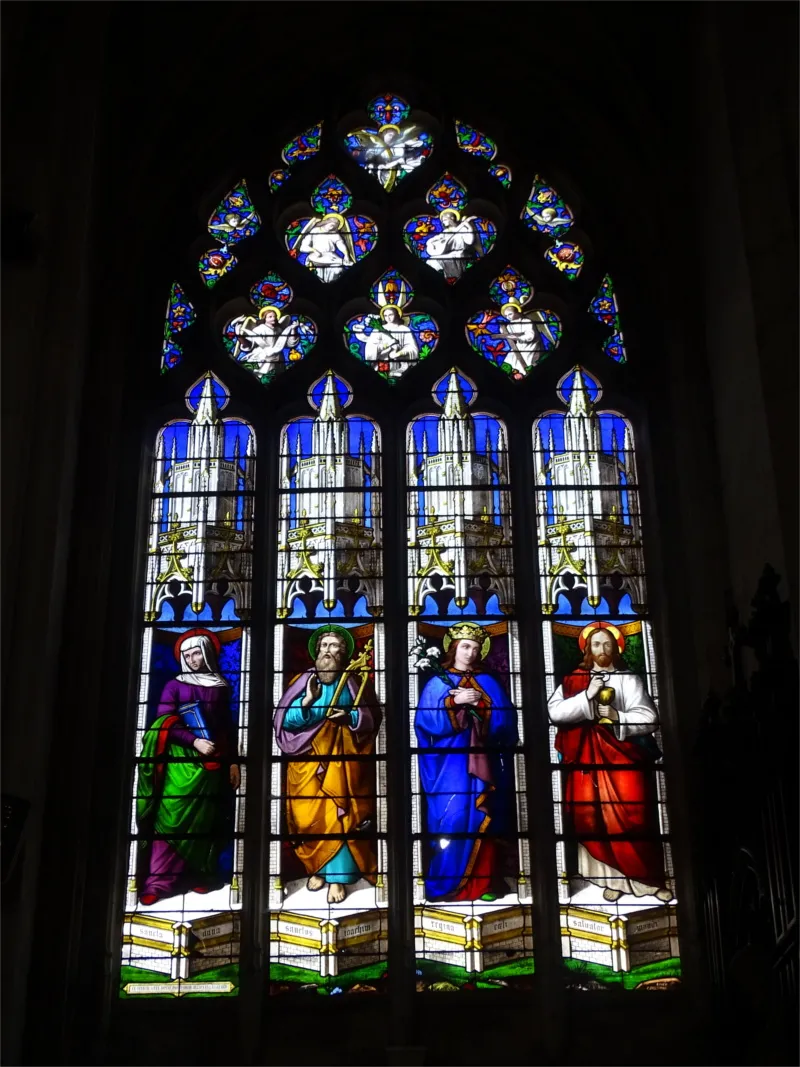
606 720
322 719
466 728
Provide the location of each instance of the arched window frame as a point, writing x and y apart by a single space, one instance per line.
285 398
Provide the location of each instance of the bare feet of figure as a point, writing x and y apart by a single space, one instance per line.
336 893
315 882
612 894
664 894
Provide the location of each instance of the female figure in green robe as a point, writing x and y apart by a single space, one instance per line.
188 774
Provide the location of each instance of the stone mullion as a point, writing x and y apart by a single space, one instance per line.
399 845
546 922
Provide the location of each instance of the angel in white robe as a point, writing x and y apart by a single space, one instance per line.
328 246
449 250
262 341
524 336
391 150
391 342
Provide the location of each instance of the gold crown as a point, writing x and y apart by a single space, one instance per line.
468 631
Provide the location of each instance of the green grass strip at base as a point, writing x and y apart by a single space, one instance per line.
645 972
434 971
284 972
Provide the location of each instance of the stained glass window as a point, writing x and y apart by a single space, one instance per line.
502 173
302 147
567 257
471 859
514 340
234 220
453 240
545 210
182 924
374 632
613 858
180 315
392 147
270 338
605 309
327 853
475 143
331 241
391 340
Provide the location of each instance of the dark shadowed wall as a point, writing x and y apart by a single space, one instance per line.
677 125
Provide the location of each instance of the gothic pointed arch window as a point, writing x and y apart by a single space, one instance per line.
358 668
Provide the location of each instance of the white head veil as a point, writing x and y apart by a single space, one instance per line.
210 675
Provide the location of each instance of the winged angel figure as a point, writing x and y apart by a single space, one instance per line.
261 341
389 152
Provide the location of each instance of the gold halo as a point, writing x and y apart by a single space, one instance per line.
468 631
615 632
389 126
262 314
333 215
331 628
511 304
450 211
390 307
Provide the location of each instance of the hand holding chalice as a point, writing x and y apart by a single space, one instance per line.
607 695
605 699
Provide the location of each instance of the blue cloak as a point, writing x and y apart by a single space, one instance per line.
465 792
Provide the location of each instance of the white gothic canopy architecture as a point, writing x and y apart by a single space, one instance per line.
124 125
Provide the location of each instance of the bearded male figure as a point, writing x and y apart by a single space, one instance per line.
466 726
605 719
334 793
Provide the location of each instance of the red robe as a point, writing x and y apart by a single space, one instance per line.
615 795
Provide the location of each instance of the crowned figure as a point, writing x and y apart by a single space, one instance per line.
466 728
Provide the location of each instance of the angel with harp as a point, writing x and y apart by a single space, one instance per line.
327 716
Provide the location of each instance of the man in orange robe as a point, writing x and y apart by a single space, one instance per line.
327 790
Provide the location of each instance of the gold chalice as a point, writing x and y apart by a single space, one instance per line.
606 696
